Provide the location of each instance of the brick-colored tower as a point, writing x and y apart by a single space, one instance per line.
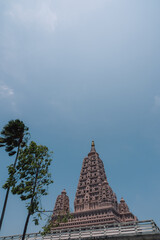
62 204
95 202
93 191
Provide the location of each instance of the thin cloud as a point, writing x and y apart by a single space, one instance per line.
7 96
38 14
6 91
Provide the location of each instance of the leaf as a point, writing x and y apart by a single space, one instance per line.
12 153
2 140
36 221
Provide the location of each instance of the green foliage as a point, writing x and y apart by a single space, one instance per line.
14 134
32 178
47 227
51 224
35 219
11 179
66 217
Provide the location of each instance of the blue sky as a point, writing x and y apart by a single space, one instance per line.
77 71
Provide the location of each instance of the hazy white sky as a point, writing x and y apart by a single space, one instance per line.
79 70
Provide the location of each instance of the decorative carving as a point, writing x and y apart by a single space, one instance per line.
95 202
125 214
62 204
93 187
123 208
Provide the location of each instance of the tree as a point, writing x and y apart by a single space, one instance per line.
52 223
48 226
32 178
14 136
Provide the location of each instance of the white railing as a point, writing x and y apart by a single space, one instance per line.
116 229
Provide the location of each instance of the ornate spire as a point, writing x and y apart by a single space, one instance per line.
126 215
62 204
123 208
93 191
93 147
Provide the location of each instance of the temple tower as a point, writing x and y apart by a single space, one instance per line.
62 204
95 202
126 215
93 191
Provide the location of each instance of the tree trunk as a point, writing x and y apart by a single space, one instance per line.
31 204
17 154
26 225
7 193
4 207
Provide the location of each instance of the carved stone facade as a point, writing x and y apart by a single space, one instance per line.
62 204
93 190
95 202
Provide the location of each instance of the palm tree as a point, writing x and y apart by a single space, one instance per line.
14 136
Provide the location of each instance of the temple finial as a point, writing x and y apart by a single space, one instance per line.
93 147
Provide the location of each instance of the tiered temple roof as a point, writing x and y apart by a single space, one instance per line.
95 202
93 191
62 204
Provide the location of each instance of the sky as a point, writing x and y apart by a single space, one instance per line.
80 70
